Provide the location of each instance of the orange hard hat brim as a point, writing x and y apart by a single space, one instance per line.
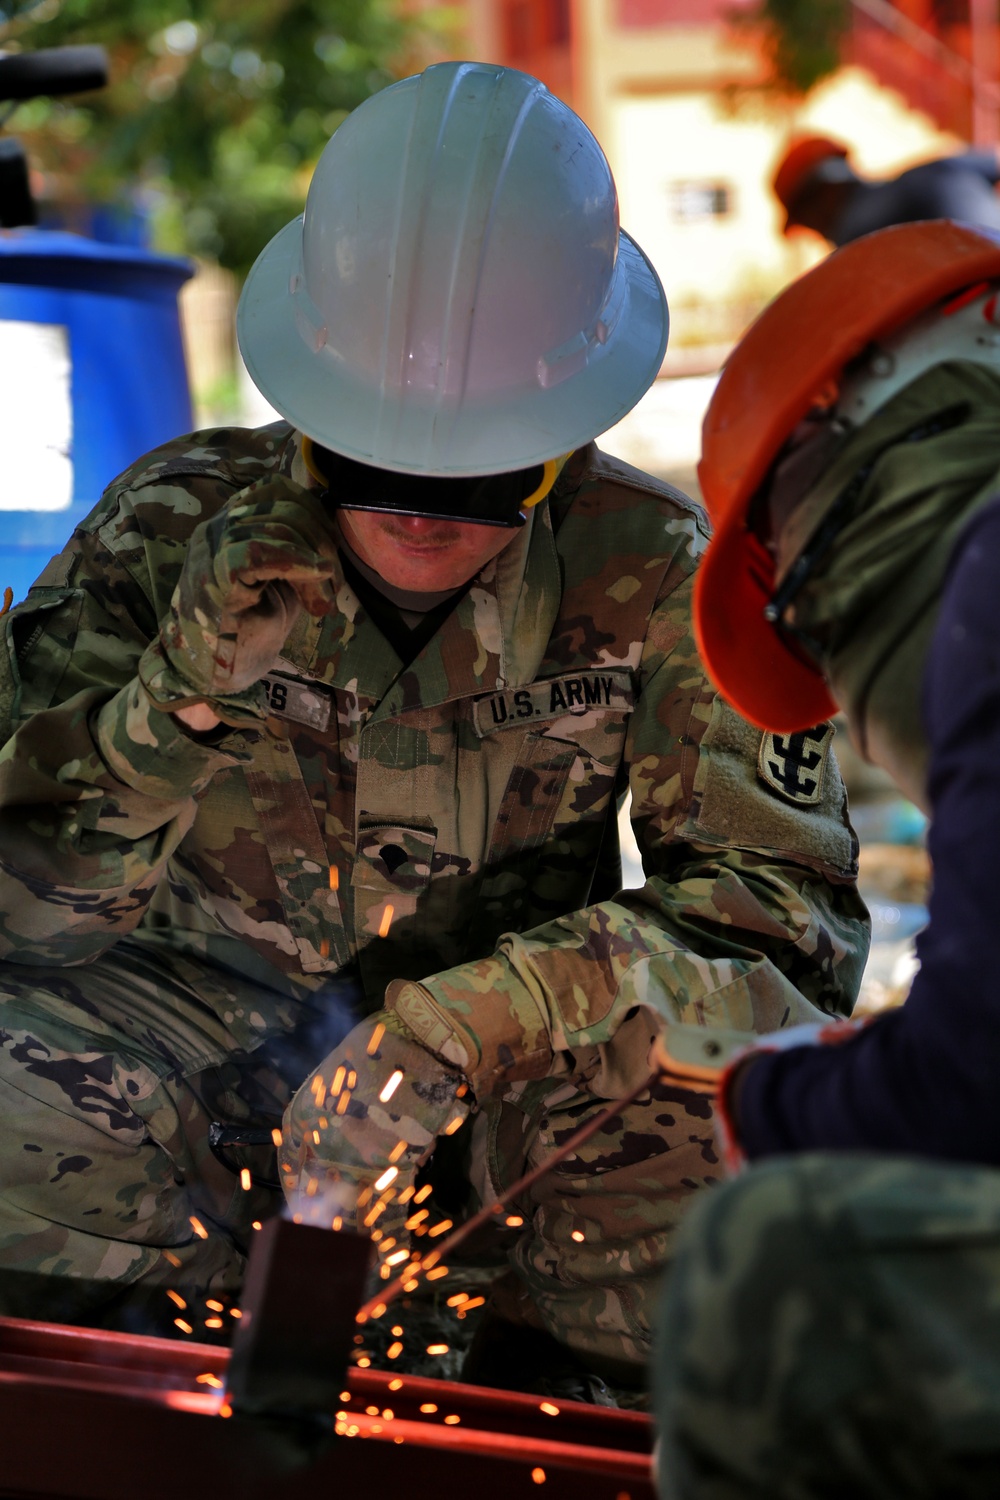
788 363
745 656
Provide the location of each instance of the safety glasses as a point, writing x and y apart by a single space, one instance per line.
489 499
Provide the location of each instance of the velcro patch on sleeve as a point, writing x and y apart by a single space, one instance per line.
591 690
793 765
750 792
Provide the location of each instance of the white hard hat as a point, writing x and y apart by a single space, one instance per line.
457 298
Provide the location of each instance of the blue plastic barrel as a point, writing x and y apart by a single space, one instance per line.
92 375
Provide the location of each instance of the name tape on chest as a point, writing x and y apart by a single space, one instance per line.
302 702
598 690
793 765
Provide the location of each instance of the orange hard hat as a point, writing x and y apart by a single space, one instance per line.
797 166
788 363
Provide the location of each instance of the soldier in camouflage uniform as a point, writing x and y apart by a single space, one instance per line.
831 1323
310 778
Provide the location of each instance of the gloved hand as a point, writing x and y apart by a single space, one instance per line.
364 1152
247 573
715 1062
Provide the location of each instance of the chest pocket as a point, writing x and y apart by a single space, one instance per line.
547 836
390 885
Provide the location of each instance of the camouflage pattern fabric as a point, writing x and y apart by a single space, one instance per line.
831 1327
111 1078
451 822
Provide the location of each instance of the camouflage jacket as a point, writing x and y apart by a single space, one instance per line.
453 819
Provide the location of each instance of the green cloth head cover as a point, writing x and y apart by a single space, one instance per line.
868 609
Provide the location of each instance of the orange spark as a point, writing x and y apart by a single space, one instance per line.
452 1421
386 922
425 1192
184 1327
395 1079
338 1080
439 1228
245 1179
374 1039
398 1150
213 1322
334 878
215 1306
513 1221
538 1475
577 1235
437 1348
198 1228
433 1275
396 1385
176 1297
343 1102
394 1350
428 1408
388 1176
548 1408
454 1125
208 1379
276 1137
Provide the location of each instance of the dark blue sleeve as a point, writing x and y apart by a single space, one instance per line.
925 1078
955 187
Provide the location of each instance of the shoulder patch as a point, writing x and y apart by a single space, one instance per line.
793 765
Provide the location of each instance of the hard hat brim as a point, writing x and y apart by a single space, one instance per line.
316 391
744 654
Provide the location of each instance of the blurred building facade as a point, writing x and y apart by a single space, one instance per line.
672 90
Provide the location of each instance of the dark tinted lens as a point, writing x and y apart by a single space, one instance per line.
492 500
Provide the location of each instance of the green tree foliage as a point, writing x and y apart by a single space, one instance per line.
216 111
803 38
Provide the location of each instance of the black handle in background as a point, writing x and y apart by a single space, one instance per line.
52 70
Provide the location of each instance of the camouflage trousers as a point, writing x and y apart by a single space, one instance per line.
831 1327
137 1092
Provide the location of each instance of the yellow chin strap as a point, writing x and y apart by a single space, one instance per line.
551 469
550 473
309 459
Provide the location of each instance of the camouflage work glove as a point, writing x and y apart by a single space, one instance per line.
358 1128
247 573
